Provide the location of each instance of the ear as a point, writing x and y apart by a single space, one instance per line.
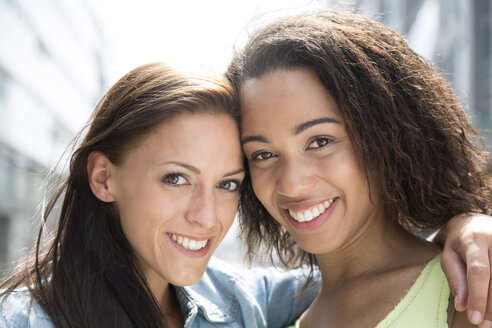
99 172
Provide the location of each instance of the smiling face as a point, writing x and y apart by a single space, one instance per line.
302 163
177 195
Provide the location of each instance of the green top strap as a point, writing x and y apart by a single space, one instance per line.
425 304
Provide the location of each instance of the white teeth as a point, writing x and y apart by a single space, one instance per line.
190 244
300 216
312 213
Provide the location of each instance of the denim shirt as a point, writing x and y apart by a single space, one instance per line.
224 297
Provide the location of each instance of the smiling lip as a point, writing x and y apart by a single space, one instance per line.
191 253
312 224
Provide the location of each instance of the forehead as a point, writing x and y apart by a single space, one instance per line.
285 94
195 137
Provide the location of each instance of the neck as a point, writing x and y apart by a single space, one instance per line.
379 255
170 306
380 245
159 288
166 298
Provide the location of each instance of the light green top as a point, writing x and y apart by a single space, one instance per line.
425 304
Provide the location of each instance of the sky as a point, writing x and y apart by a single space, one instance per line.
185 33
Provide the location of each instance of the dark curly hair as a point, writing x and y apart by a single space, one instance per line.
413 140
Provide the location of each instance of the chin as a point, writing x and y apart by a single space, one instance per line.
315 247
185 282
188 278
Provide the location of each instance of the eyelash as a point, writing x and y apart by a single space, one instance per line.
255 156
317 139
167 177
236 188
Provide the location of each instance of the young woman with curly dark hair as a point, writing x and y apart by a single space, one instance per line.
353 142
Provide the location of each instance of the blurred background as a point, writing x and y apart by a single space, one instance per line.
58 57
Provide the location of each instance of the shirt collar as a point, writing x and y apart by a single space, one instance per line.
215 312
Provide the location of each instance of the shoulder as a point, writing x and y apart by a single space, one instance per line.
258 282
283 294
424 304
18 310
258 296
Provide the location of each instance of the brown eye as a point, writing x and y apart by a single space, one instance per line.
319 142
262 156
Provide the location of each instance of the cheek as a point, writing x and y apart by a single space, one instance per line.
143 215
357 179
263 185
139 234
227 214
353 182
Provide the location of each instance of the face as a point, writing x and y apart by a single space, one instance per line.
177 195
302 163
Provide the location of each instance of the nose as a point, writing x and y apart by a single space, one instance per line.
201 209
294 177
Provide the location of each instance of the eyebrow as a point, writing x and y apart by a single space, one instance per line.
306 125
186 166
298 129
256 138
234 172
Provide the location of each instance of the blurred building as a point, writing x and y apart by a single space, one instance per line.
51 74
456 35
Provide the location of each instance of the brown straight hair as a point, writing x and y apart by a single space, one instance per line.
88 275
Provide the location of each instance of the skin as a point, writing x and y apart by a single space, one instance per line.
300 156
466 262
174 182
